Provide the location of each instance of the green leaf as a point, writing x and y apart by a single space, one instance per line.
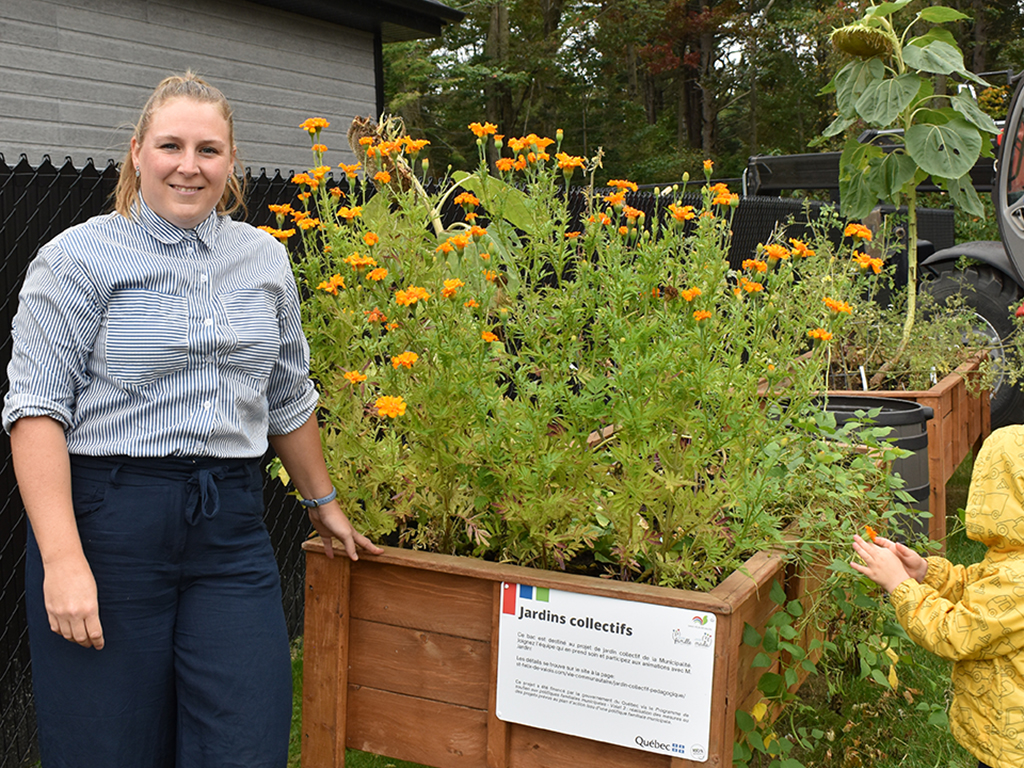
887 9
878 677
751 636
837 126
762 660
937 57
883 100
965 104
851 81
857 193
771 640
744 721
893 176
964 195
515 205
948 150
935 33
939 718
777 593
938 14
771 684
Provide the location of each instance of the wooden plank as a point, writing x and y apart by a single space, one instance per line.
423 600
498 731
325 662
417 663
569 582
417 730
536 748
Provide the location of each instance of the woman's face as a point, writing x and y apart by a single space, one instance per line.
184 161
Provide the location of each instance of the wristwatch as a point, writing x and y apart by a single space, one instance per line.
313 503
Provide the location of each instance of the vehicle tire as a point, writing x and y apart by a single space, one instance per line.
990 294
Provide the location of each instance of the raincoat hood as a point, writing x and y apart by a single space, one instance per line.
995 505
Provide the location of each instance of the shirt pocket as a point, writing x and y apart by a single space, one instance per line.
252 316
147 336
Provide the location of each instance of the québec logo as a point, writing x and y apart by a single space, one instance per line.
651 743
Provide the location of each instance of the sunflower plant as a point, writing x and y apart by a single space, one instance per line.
598 392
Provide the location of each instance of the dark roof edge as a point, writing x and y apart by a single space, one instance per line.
396 19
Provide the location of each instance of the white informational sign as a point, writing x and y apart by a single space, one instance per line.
615 671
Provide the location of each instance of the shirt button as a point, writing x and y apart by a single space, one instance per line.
190 250
207 405
208 322
203 278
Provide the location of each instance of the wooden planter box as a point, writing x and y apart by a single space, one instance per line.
960 423
400 659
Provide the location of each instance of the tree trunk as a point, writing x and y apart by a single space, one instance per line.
499 105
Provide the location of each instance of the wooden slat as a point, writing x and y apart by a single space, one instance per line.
417 599
446 668
536 748
325 662
417 730
498 731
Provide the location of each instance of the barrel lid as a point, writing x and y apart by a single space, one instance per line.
895 411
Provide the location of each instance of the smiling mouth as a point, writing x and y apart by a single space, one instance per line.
179 188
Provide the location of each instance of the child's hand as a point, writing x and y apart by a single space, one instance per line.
881 563
915 565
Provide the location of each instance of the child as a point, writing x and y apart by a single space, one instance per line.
972 615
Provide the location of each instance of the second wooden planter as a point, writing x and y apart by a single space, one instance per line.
400 659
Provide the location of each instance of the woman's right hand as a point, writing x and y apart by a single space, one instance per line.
915 565
69 593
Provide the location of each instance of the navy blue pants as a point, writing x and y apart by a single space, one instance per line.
195 670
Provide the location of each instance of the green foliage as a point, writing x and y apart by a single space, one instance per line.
604 395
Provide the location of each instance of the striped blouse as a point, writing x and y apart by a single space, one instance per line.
144 339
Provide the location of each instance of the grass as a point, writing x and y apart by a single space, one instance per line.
863 725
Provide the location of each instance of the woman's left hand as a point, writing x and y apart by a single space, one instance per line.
331 523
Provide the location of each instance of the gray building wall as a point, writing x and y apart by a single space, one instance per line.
74 75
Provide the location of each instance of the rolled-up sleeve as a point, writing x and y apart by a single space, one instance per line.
291 396
52 336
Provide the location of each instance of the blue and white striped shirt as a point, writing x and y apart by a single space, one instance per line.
148 340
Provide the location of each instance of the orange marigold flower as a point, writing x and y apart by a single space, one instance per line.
390 406
751 286
615 198
477 232
319 172
445 247
623 184
332 285
488 336
486 129
623 230
755 264
520 163
690 293
632 213
568 162
451 287
682 212
313 124
304 196
308 223
280 234
377 274
709 164
572 235
376 316
800 248
467 200
867 262
354 377
490 275
701 314
776 252
280 210
413 146
871 533
719 188
382 177
504 164
336 192
358 261
304 178
411 295
371 238
387 148
838 306
485 256
350 213
820 334
391 327
366 141
406 359
725 198
350 170
470 304
858 231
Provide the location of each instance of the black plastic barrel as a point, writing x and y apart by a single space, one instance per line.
909 423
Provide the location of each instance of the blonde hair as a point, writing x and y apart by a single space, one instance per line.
186 86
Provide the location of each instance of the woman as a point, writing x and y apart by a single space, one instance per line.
156 350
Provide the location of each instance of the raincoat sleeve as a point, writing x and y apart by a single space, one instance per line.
969 619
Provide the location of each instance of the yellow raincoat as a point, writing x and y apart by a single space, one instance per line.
974 615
